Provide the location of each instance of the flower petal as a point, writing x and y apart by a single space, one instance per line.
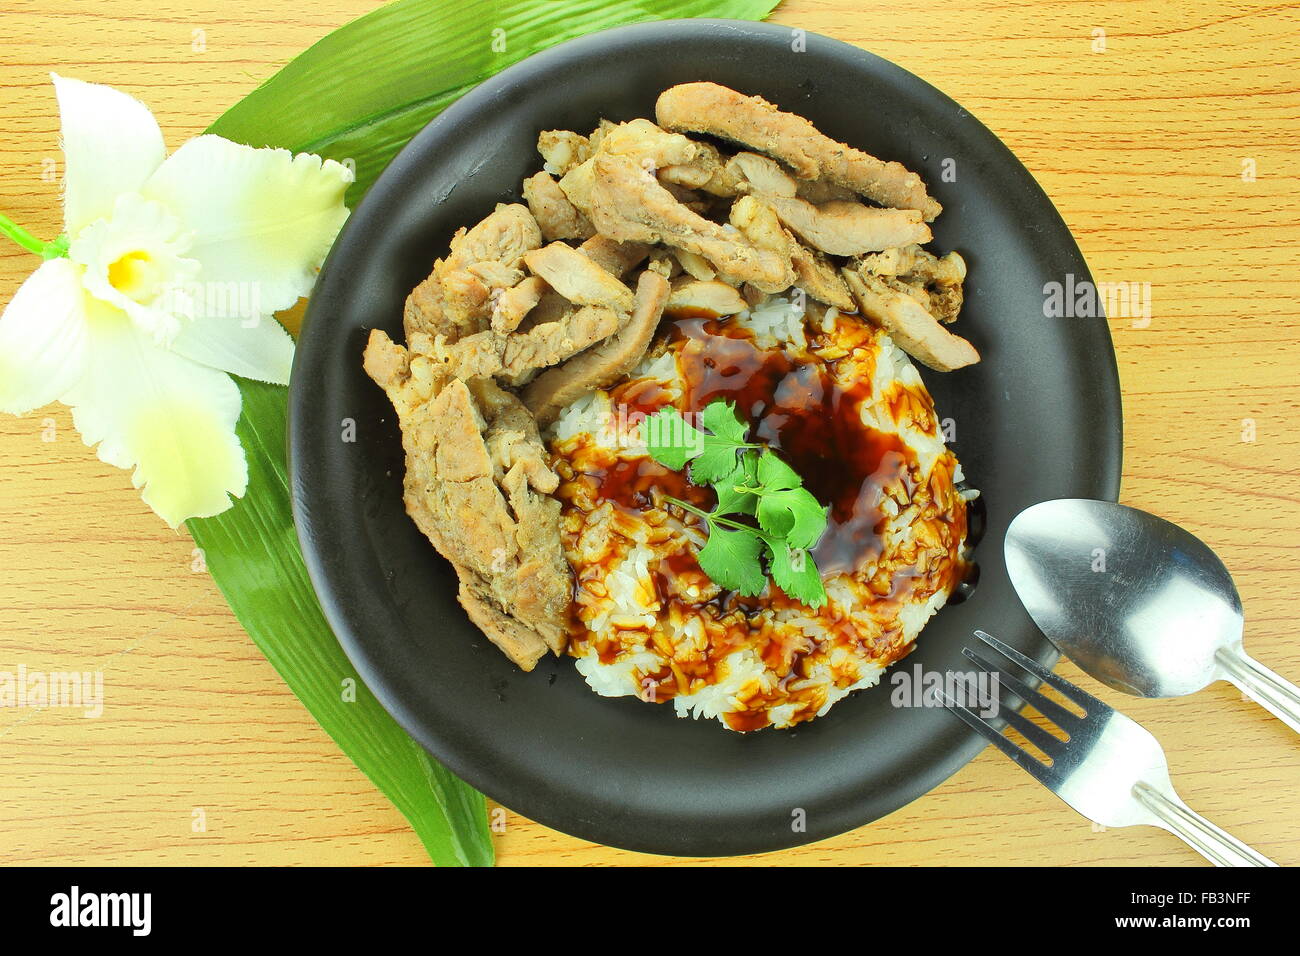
42 338
111 145
258 215
136 261
258 347
170 419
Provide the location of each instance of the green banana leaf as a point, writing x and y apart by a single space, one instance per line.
363 91
360 94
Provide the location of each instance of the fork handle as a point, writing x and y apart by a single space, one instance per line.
1217 846
1271 691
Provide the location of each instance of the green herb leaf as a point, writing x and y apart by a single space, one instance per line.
796 574
773 516
793 514
720 418
670 439
787 509
718 458
809 520
359 95
714 463
759 485
733 500
732 560
776 475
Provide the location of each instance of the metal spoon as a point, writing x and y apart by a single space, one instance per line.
1140 604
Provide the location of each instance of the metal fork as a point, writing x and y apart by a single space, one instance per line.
1110 769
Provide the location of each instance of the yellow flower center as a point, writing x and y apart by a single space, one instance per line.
136 275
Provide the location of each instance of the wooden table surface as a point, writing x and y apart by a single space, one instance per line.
1142 120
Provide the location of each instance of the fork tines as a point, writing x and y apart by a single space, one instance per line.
1048 743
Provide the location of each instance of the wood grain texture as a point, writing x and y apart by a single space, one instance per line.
1141 147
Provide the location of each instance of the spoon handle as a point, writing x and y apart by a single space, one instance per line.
1274 693
1218 846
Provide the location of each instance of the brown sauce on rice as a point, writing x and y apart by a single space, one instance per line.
803 413
807 404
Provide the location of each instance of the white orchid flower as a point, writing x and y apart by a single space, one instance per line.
174 267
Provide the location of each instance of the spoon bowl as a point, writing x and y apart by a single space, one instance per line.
1139 603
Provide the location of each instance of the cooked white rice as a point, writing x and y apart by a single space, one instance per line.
642 628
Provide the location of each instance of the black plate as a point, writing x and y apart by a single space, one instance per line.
1039 418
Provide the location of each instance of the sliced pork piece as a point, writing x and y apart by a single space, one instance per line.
477 486
595 368
551 307
494 526
818 278
484 261
703 297
616 258
514 439
764 176
719 175
936 281
511 355
424 311
523 645
556 216
468 294
629 204
577 277
650 146
455 300
562 149
818 191
411 381
915 262
641 143
466 300
576 186
552 342
503 236
946 299
709 171
516 302
759 224
692 199
757 124
694 265
410 378
849 228
665 263
908 323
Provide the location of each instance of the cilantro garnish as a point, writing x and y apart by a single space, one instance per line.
764 521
